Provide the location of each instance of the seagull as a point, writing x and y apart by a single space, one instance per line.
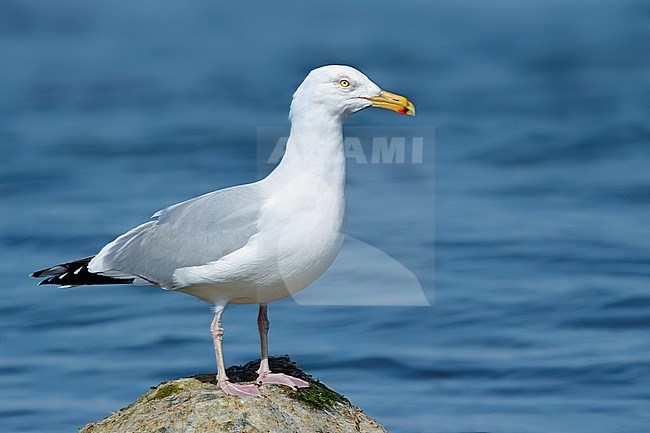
253 243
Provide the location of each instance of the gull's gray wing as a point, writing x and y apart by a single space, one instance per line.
191 233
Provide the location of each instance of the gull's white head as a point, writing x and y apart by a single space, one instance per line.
340 91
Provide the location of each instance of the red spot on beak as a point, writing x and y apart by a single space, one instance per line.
402 111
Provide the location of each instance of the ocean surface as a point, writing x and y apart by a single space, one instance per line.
501 283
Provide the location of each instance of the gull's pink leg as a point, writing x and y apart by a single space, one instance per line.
222 378
264 372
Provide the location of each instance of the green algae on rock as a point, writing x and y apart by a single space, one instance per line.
165 390
317 395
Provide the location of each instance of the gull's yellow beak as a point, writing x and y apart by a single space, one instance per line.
391 101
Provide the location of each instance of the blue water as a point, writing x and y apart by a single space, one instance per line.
526 224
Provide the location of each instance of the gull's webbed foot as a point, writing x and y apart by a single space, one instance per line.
239 390
281 379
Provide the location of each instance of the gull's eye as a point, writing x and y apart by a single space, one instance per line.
343 82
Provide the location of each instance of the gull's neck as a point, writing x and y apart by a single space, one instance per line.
315 147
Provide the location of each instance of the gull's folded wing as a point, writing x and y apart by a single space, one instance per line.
191 233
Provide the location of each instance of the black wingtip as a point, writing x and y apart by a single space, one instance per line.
50 280
74 274
37 274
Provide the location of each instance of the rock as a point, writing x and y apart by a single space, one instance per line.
196 405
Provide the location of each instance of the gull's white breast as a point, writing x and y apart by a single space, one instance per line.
299 237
